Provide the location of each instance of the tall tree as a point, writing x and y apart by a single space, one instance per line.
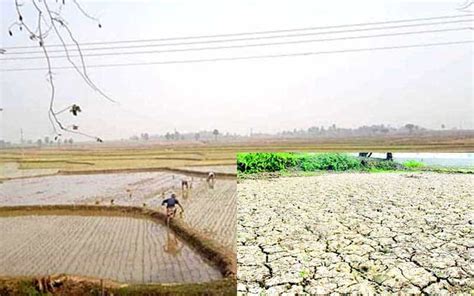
215 133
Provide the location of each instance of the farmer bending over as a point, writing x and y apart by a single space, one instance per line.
211 176
170 207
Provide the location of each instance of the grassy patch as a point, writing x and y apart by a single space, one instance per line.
250 163
413 164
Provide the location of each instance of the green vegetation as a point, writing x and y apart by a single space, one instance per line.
265 162
413 164
252 163
328 161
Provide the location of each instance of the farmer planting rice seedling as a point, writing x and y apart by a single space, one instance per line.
383 229
171 209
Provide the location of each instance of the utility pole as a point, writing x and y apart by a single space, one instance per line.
21 143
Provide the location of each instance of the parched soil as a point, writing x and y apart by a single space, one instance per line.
123 249
210 210
354 232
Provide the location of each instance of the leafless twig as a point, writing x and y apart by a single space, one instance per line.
464 7
50 18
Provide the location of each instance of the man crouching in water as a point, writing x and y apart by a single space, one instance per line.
170 207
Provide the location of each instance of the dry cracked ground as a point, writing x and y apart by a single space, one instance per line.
391 233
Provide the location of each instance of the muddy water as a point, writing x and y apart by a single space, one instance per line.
125 189
232 169
210 210
123 249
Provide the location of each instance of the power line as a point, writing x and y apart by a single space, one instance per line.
247 57
249 38
257 32
243 45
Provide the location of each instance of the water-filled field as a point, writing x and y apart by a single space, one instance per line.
80 189
211 210
228 169
123 249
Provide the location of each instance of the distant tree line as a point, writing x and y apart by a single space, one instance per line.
175 135
333 130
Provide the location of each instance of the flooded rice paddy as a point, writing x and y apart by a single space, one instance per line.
211 210
229 169
123 249
125 189
450 160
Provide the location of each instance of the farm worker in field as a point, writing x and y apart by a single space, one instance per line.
171 207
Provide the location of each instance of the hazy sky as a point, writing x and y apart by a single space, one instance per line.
425 86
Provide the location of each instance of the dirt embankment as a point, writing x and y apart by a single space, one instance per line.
189 172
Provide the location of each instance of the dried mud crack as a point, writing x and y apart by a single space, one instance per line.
385 233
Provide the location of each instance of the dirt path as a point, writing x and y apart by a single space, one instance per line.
351 232
123 249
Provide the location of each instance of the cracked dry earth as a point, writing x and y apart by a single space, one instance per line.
390 233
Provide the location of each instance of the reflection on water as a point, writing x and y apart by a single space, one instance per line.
211 184
173 246
125 189
185 194
453 160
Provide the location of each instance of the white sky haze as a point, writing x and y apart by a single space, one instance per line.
428 86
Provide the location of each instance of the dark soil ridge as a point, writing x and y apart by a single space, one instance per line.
222 258
131 170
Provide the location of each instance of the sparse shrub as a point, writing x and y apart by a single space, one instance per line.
265 162
381 165
413 164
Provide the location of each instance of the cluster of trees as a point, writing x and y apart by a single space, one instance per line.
143 137
202 135
177 136
48 142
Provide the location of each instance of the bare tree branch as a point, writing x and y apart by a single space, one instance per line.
39 35
464 7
